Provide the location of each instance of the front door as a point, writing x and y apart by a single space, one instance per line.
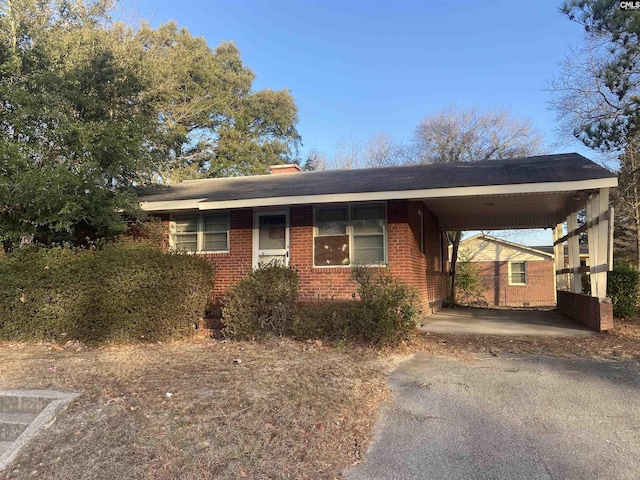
271 237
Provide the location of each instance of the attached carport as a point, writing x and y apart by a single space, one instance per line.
542 192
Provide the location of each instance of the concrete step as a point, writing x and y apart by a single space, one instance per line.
23 413
22 403
4 446
13 424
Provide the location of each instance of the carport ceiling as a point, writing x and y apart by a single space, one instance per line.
497 212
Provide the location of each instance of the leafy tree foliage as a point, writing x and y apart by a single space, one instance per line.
91 108
72 119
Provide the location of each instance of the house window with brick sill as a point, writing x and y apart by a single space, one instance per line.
350 234
517 273
200 233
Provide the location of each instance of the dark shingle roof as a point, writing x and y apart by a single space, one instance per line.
584 249
541 169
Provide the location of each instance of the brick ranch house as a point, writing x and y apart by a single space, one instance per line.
324 222
515 275
510 274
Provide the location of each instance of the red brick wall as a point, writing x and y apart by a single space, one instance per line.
422 271
231 267
596 313
539 290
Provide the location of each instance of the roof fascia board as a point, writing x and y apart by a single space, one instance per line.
191 204
547 187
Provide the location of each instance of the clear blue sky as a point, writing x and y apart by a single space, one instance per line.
356 68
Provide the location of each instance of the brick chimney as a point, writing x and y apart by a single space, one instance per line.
288 168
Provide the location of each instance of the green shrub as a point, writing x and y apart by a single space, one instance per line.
622 286
325 320
468 280
263 302
123 292
387 311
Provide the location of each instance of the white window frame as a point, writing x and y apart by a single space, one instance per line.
200 231
350 233
526 271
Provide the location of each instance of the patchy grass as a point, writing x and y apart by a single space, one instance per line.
199 409
269 409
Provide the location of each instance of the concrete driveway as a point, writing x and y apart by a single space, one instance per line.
488 321
508 417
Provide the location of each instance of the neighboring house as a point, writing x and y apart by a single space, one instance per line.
324 222
511 275
563 280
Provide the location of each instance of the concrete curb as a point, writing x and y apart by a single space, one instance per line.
57 402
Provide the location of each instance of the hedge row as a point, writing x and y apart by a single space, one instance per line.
123 292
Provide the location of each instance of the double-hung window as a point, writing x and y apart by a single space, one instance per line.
517 273
350 234
200 232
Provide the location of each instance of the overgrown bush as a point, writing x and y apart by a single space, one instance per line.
325 320
622 286
261 303
387 311
122 292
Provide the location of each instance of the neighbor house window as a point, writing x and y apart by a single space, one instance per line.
517 273
346 235
200 233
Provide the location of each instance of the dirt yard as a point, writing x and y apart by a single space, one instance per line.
215 409
201 409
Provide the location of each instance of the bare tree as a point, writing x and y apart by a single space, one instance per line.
596 96
348 153
586 105
457 135
383 151
626 199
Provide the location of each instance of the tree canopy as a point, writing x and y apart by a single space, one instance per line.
92 108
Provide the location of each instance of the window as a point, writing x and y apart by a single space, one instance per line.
348 235
200 233
517 273
186 233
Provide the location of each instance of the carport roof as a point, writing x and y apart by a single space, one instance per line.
441 186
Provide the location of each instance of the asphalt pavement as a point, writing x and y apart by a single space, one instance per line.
508 417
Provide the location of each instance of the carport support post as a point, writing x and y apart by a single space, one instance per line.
574 253
558 256
598 236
